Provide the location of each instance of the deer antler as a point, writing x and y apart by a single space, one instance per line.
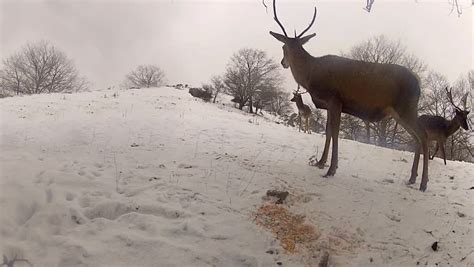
266 8
464 100
298 91
450 98
311 24
275 17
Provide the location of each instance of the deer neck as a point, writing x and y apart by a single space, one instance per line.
300 104
300 65
453 126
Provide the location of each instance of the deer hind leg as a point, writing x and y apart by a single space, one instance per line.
307 125
436 150
411 125
443 152
335 111
324 156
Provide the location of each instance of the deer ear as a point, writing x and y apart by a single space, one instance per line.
279 37
305 39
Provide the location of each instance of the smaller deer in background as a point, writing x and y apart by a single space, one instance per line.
304 112
439 129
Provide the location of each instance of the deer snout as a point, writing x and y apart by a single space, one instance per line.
284 63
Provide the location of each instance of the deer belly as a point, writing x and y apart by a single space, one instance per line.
368 112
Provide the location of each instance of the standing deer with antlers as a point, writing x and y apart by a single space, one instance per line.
439 129
370 91
304 112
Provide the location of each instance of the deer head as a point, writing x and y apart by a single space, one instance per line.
461 114
297 96
292 45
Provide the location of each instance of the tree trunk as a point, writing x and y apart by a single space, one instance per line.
250 105
394 134
451 157
383 133
367 130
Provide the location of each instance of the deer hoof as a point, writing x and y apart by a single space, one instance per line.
330 173
411 181
320 165
423 187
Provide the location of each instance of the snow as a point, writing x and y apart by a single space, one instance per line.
154 177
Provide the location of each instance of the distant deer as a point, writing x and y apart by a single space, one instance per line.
304 112
439 129
370 91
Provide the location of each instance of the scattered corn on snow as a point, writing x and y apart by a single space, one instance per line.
154 177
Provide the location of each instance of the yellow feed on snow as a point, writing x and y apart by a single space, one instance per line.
289 228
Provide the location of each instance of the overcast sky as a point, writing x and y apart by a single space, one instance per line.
193 40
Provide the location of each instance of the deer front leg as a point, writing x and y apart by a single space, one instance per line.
299 119
424 175
324 156
414 168
335 111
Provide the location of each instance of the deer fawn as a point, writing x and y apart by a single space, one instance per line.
370 91
304 112
439 129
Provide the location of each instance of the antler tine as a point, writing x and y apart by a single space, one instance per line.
450 98
275 17
464 100
297 91
266 8
311 24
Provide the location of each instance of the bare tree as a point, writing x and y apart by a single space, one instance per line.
351 127
145 76
215 87
250 71
470 78
11 76
40 68
277 101
433 100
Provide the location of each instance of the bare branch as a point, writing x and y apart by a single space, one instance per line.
455 5
368 7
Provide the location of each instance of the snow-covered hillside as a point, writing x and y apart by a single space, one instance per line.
157 178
